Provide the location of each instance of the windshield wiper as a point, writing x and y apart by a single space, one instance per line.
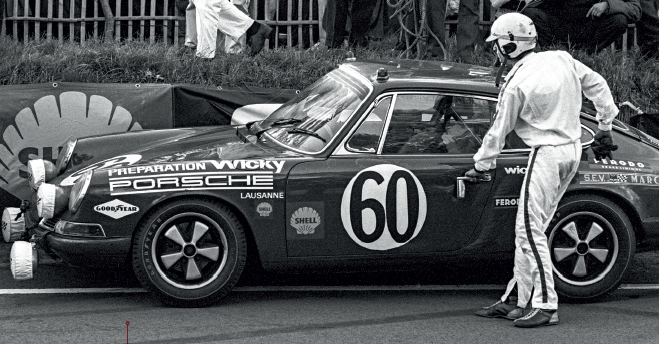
285 121
307 132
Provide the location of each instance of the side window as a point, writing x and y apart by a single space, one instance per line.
436 124
367 136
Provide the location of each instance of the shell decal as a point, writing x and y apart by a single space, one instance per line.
305 220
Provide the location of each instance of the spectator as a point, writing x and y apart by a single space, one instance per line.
468 30
232 46
648 28
335 19
436 14
591 25
205 17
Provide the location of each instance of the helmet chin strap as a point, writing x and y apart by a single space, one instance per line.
500 71
503 59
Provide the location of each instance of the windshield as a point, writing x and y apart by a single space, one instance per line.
310 121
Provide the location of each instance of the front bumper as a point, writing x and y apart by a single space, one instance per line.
104 253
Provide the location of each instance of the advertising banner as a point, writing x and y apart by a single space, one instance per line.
36 120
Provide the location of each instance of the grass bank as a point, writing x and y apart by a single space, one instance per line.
630 77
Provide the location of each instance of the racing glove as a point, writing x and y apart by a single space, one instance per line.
603 144
475 175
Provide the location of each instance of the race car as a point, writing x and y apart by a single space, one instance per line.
361 171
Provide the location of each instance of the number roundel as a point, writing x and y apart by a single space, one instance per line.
383 207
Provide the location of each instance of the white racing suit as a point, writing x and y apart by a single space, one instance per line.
204 17
541 101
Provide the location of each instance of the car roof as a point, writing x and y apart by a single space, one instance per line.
420 73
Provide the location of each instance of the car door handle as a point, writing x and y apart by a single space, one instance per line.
460 184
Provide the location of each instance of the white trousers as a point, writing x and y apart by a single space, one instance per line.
204 17
549 172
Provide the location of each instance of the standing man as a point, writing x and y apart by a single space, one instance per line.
541 101
335 18
204 17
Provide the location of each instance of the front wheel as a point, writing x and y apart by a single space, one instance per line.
189 253
591 242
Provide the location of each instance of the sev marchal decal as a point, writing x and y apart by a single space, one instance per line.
383 207
116 209
619 178
203 175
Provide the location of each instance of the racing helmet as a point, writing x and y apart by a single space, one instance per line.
513 33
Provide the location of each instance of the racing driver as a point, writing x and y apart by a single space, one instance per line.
541 100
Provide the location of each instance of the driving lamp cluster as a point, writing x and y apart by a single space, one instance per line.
53 199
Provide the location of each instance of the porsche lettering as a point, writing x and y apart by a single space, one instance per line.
134 185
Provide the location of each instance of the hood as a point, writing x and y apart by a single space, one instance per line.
149 147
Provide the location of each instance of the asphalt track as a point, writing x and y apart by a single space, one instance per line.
57 277
67 305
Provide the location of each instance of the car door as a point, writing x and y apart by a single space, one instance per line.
391 187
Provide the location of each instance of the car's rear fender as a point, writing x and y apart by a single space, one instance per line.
628 207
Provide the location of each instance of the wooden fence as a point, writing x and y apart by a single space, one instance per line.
296 22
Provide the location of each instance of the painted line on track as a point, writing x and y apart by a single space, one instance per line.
299 289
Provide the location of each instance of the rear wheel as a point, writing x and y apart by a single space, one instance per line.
592 242
189 253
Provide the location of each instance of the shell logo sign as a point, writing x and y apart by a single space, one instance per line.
38 131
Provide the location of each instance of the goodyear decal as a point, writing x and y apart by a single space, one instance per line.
116 209
506 202
245 165
619 178
305 221
619 165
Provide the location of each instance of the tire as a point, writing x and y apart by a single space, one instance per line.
189 253
592 242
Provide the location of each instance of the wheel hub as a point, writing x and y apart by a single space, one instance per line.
582 248
190 250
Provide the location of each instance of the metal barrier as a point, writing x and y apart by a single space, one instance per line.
296 22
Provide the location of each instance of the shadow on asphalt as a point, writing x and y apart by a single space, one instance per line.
56 274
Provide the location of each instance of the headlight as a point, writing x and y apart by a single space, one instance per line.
79 190
65 155
40 171
79 229
51 200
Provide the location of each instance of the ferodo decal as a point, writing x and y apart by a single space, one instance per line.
121 160
505 202
620 165
116 209
619 178
383 207
305 220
